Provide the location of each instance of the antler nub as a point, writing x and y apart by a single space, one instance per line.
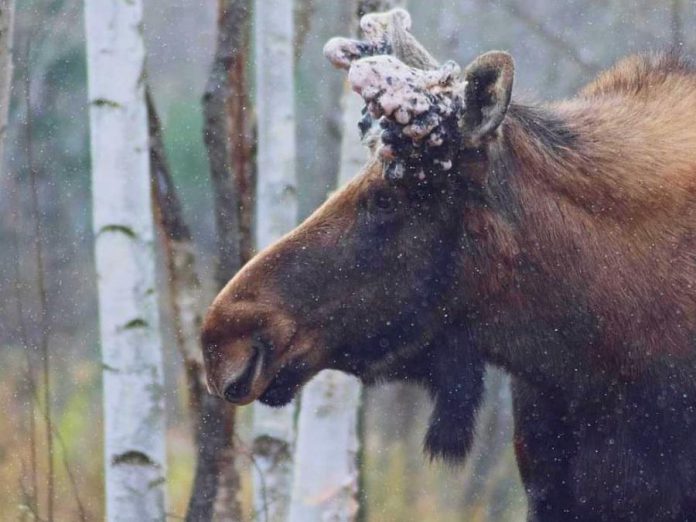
341 52
419 103
377 28
384 33
393 89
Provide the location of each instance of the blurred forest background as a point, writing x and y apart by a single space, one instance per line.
558 46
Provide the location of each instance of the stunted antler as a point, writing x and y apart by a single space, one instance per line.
419 103
420 112
385 33
427 112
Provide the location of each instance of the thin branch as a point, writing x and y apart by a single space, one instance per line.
249 454
34 403
71 477
29 376
41 288
26 504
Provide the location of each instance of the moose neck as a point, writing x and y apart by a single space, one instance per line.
594 222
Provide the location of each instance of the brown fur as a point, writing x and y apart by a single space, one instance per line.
616 213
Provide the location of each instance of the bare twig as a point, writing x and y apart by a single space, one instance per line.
71 478
66 464
29 376
41 288
27 504
249 454
31 500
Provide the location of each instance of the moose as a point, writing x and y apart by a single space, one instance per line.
555 241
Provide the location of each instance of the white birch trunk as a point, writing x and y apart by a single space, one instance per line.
6 67
325 486
276 215
125 259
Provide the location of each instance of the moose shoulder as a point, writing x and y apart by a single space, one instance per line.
555 241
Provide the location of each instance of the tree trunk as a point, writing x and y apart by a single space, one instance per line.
276 215
216 484
6 32
180 257
325 485
185 306
326 480
125 260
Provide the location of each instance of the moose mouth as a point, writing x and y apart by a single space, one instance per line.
286 383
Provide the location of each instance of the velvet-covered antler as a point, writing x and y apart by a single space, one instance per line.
384 33
418 103
427 112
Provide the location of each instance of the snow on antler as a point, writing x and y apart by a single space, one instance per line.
419 109
402 93
378 30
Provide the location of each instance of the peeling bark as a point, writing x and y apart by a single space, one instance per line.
210 434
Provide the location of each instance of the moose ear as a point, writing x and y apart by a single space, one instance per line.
487 95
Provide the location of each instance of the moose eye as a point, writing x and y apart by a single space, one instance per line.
384 201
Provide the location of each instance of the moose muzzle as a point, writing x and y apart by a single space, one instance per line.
244 346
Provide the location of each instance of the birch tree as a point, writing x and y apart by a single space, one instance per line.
134 426
276 215
326 480
6 33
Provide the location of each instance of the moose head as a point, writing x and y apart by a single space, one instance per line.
379 281
555 241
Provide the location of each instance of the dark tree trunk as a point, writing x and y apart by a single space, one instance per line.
227 136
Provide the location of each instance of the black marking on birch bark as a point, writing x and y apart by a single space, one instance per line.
132 457
118 228
135 323
103 102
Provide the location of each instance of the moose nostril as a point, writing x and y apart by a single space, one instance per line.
236 390
241 385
